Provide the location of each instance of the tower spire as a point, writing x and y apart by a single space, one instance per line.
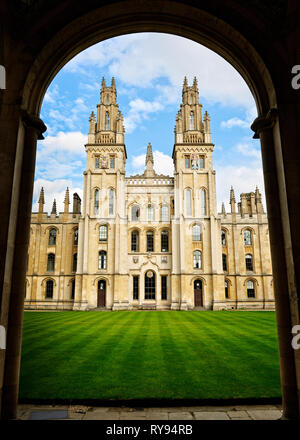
103 83
149 161
41 201
67 201
53 211
232 200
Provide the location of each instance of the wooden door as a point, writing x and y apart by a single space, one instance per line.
198 293
101 293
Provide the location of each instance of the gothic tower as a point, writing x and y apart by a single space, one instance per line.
195 199
104 197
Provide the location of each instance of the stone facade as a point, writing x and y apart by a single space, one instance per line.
150 241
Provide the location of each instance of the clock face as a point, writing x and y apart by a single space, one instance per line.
149 274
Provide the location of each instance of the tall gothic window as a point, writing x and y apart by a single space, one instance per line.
49 289
102 260
192 121
249 262
247 237
50 263
97 162
74 262
164 287
96 202
103 233
224 262
223 238
111 201
106 121
250 289
52 237
203 202
165 241
134 241
150 241
226 289
75 237
149 285
135 213
197 260
164 213
196 233
150 213
112 162
135 279
201 162
188 202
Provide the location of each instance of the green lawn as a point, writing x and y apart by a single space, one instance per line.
160 355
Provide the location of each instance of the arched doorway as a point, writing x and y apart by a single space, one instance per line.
101 293
198 293
234 34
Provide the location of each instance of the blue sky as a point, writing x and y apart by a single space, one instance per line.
149 69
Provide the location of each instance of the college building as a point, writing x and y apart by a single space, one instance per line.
150 241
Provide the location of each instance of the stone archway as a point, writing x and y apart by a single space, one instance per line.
234 31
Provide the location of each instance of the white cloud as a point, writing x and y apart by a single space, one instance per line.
55 189
139 110
248 150
234 122
154 55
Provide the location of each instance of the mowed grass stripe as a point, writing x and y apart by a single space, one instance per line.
127 355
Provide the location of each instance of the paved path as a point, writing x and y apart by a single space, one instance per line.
63 412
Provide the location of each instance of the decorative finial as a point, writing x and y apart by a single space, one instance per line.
54 207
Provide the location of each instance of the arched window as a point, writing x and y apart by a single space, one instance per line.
165 241
107 99
247 237
226 289
164 213
97 162
106 121
196 233
50 263
203 201
192 121
134 241
150 213
223 238
103 233
250 289
150 241
49 289
188 201
102 260
191 99
197 260
52 237
224 262
76 237
74 262
96 202
111 201
150 285
135 213
73 289
201 162
249 262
